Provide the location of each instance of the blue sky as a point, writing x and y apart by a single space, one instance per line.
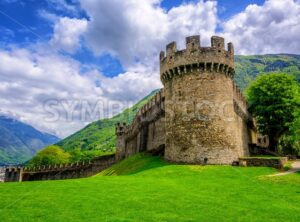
21 23
75 52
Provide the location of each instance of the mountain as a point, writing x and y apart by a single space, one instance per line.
248 67
19 141
100 135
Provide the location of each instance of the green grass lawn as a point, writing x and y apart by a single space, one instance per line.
148 189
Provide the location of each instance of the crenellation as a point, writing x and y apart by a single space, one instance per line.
162 55
230 49
218 43
121 128
171 50
135 139
62 171
238 95
193 43
195 57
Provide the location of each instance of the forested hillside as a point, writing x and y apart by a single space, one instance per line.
248 67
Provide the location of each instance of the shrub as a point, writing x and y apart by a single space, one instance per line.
49 156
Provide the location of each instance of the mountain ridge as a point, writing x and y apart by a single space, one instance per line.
20 141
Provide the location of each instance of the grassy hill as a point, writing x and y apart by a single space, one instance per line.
100 135
152 190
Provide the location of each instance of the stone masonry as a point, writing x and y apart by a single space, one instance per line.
59 172
200 116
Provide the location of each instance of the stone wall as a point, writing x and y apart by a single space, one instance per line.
2 174
13 174
146 133
59 172
264 162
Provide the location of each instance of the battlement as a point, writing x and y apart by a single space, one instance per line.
120 128
156 99
58 167
196 58
60 171
238 96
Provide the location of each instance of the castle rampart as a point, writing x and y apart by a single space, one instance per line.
146 133
59 172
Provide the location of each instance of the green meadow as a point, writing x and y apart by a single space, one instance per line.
144 188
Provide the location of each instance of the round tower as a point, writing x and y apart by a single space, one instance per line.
200 117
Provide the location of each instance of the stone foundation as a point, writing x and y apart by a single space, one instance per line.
277 163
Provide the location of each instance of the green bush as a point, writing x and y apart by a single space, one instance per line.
51 155
287 166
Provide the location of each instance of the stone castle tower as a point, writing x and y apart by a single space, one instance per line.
200 116
201 123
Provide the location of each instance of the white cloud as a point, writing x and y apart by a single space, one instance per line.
273 27
132 85
137 30
29 79
67 33
37 85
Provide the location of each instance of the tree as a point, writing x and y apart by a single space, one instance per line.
273 100
290 142
51 155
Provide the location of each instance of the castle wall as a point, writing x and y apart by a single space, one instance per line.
2 174
246 131
68 171
13 174
146 133
156 134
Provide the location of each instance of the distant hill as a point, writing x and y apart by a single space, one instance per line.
100 135
19 141
248 67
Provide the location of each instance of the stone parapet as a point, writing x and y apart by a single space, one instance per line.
196 58
58 172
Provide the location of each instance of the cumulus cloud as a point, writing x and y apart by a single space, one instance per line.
29 79
132 84
50 91
273 27
137 30
67 33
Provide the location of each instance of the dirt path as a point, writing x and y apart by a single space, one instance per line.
295 168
